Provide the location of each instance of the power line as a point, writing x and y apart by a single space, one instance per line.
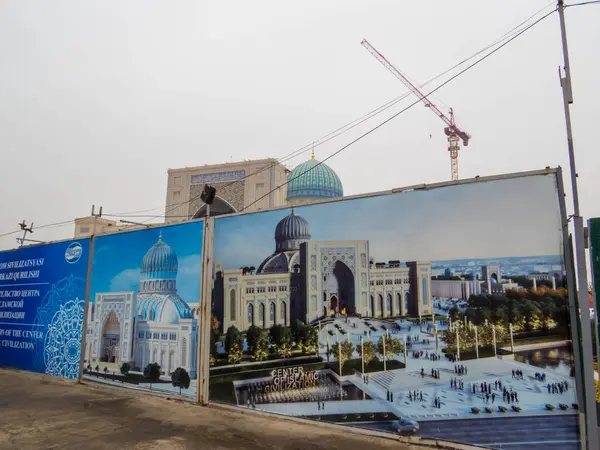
582 3
339 131
50 225
405 109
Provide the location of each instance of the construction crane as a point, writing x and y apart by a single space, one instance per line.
455 134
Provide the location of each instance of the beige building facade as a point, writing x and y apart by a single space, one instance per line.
239 185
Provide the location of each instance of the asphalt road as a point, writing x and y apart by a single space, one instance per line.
559 432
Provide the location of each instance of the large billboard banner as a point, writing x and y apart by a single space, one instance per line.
42 301
142 329
440 312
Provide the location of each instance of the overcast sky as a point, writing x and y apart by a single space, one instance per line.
99 99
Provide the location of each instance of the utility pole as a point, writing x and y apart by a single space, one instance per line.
95 216
591 424
26 229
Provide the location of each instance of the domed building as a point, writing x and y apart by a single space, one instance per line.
151 325
290 233
310 280
311 181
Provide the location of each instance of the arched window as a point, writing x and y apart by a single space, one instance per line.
272 313
261 315
388 304
425 288
283 313
250 314
406 301
184 352
398 301
232 314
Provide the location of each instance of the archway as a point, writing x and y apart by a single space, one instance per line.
218 208
398 304
111 338
372 306
334 304
345 287
388 305
494 277
380 305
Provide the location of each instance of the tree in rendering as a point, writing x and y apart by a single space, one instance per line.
232 335
298 329
369 351
260 349
393 346
152 373
180 378
252 336
343 351
125 368
310 342
281 340
235 354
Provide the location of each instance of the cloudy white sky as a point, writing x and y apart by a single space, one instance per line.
99 99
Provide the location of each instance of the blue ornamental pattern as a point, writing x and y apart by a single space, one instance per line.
312 179
150 305
62 345
60 293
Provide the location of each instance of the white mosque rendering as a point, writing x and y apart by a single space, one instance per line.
309 280
152 325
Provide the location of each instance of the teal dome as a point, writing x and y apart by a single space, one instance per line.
312 179
160 262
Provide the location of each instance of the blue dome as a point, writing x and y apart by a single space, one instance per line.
312 179
290 232
160 262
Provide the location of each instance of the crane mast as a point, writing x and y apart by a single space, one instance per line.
455 134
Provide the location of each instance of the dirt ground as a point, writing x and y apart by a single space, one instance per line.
44 412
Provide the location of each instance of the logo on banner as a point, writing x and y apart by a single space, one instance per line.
73 252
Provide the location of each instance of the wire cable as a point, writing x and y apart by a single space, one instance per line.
339 131
50 225
405 109
582 3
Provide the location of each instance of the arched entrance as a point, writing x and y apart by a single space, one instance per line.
380 305
388 305
373 306
111 337
345 287
334 304
218 208
398 304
